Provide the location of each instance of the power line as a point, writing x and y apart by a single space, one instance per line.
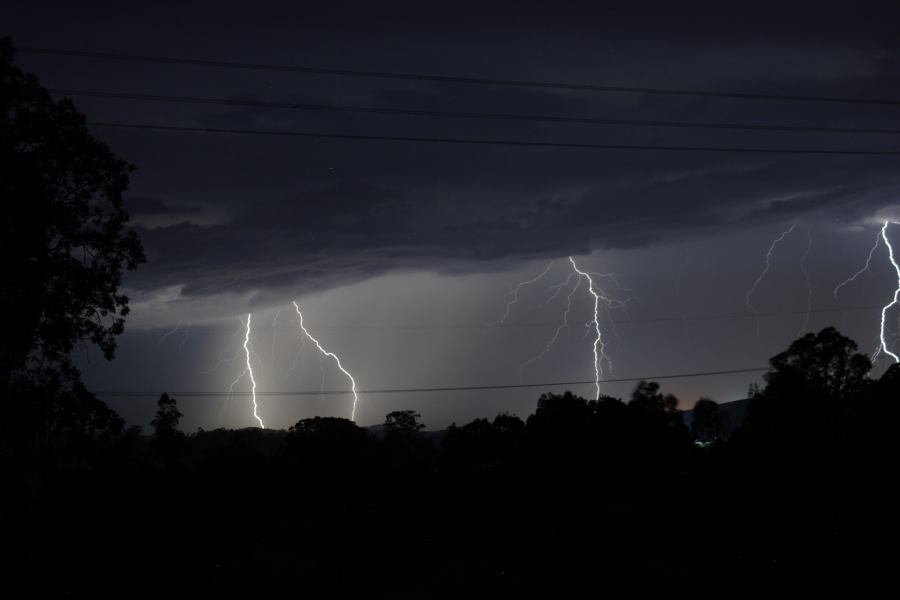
468 115
464 388
585 87
483 142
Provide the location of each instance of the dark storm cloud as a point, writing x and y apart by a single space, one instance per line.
360 230
251 213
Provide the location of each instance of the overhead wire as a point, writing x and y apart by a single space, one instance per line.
379 74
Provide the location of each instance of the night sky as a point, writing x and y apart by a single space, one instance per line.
400 253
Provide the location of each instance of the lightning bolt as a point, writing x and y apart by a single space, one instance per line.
599 295
896 297
247 349
809 292
769 255
512 296
881 236
599 348
336 360
248 370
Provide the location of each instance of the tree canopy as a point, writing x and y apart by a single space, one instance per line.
65 240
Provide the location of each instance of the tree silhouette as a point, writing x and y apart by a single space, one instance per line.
167 416
403 448
402 423
65 245
484 447
483 505
647 400
807 383
709 422
326 443
558 438
560 412
826 363
169 439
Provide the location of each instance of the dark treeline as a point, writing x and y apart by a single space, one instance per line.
580 491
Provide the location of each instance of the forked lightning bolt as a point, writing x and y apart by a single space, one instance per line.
882 236
598 294
896 298
336 360
247 350
599 349
769 255
248 370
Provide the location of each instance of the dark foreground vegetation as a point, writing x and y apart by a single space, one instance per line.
584 494
581 491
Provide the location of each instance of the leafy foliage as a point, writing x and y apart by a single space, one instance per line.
65 245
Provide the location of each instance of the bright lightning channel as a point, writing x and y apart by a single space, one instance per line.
249 371
769 255
881 236
599 346
599 349
336 360
896 297
512 296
